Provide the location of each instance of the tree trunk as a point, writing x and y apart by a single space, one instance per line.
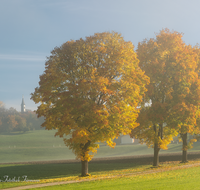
184 153
84 168
156 156
156 149
84 163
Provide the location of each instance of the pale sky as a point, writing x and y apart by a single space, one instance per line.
30 29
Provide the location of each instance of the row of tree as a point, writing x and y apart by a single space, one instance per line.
171 103
12 120
96 89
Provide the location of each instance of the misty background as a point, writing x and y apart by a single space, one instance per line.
31 29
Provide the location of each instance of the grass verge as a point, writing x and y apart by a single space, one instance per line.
185 179
47 173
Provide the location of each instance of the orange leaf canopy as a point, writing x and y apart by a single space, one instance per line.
174 88
90 91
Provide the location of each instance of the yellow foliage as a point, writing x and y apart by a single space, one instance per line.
90 91
174 89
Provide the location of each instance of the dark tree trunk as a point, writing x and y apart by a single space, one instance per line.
184 153
156 156
84 163
84 168
156 148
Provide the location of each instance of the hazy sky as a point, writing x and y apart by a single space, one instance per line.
30 29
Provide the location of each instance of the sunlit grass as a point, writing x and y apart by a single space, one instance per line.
173 180
42 145
47 173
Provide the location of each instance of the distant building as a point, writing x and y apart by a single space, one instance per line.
23 107
125 139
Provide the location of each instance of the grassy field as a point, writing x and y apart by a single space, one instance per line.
64 171
185 179
42 145
46 173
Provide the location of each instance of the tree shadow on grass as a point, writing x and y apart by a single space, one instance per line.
40 171
59 170
46 170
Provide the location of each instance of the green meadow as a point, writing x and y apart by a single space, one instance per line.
116 174
187 179
42 145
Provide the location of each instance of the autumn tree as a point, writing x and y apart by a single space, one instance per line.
90 91
21 126
31 120
11 123
185 111
7 120
170 64
25 121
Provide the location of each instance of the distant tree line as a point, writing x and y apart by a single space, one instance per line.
12 121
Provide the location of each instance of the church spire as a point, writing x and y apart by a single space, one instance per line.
23 109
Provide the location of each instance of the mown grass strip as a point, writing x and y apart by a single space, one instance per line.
156 178
55 172
184 179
